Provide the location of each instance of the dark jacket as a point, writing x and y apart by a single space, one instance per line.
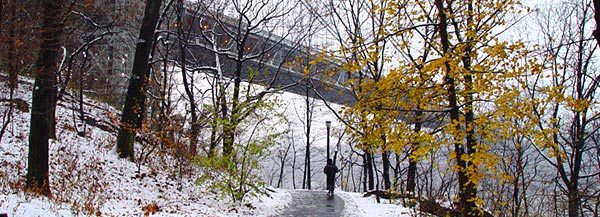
330 170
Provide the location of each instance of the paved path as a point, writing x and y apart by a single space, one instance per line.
314 203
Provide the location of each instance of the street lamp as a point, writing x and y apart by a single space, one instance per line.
328 124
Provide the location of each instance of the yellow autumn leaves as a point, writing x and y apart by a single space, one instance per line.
487 72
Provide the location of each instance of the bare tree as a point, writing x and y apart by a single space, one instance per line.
569 147
134 108
240 38
44 98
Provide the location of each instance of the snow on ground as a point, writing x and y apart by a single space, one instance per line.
356 205
87 175
88 178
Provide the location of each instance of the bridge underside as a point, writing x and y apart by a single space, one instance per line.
275 76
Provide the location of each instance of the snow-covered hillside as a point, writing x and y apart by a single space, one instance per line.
88 178
87 175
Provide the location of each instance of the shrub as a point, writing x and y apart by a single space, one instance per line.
236 176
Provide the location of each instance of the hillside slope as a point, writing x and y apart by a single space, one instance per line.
87 177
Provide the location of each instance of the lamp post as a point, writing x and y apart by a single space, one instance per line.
328 125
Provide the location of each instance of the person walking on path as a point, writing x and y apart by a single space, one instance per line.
330 170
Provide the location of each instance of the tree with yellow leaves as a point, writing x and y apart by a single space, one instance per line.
479 71
358 28
470 72
461 77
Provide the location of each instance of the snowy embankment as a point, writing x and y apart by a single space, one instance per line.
87 177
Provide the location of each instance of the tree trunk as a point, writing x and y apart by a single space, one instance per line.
516 203
220 105
411 174
370 177
161 108
231 124
364 173
294 166
213 134
12 47
308 124
386 170
467 189
573 196
133 111
284 156
579 129
189 86
573 200
596 32
470 186
44 95
228 137
281 170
